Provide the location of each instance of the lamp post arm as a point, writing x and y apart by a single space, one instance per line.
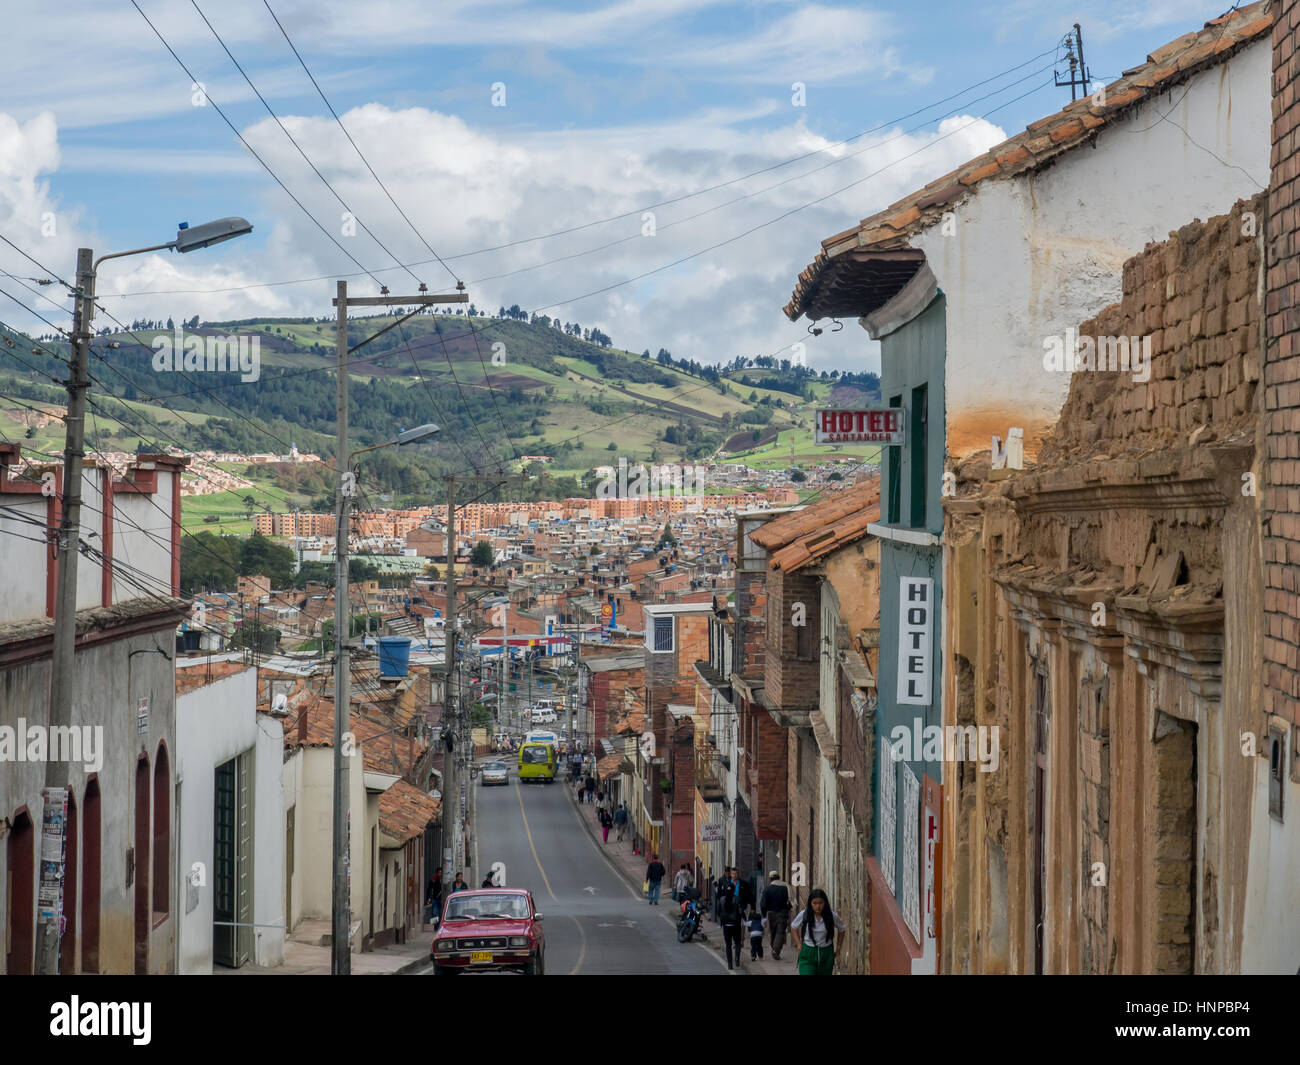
137 251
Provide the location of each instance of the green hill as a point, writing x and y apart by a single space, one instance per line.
501 387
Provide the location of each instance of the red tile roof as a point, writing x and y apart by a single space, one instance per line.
804 536
1076 124
404 811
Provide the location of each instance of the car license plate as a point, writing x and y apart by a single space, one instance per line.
479 956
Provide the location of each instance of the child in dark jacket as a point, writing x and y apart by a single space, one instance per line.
757 922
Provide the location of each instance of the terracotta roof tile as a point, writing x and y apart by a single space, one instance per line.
803 536
1040 142
404 811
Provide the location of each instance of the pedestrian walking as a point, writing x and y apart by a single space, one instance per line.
721 888
487 881
605 822
757 922
654 875
433 895
682 881
620 820
820 933
775 906
730 920
744 893
582 790
458 885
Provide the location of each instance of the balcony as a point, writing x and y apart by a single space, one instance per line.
710 774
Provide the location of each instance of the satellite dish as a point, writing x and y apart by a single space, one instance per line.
280 704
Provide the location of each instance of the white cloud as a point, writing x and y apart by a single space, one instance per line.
466 188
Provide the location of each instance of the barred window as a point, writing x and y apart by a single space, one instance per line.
663 634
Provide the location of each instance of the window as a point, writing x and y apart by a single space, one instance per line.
663 635
895 511
1276 771
917 435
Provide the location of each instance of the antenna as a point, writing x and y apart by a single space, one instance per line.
1078 78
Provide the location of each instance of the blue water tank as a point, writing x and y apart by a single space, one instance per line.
394 656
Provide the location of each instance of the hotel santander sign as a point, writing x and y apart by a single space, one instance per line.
880 425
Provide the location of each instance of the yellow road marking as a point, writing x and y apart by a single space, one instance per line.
582 953
519 794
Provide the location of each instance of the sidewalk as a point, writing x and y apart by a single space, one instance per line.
304 955
632 868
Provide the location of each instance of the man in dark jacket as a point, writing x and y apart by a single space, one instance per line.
654 874
744 893
729 917
775 906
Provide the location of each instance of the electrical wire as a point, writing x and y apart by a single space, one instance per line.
636 212
216 107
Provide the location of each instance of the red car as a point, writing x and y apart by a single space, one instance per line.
491 928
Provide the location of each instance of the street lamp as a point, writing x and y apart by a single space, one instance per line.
340 915
50 916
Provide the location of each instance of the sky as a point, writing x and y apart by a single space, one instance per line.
681 160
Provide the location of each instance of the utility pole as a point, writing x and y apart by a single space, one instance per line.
62 665
451 704
341 914
49 899
1079 77
340 910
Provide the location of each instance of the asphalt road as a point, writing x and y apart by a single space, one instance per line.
595 923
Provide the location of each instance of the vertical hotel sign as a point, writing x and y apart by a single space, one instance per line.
915 625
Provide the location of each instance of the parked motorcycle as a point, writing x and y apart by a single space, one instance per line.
689 923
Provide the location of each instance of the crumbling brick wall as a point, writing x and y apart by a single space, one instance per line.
1138 531
1196 297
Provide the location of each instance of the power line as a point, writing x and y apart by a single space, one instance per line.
295 143
719 244
625 214
253 152
360 155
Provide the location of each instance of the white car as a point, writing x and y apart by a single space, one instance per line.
495 773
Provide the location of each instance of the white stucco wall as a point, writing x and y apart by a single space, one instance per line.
1270 940
214 724
312 774
268 844
1033 255
23 554
142 539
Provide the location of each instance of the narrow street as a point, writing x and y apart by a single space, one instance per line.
596 924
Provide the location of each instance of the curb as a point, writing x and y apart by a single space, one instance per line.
591 831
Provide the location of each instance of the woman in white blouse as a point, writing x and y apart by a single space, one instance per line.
813 925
